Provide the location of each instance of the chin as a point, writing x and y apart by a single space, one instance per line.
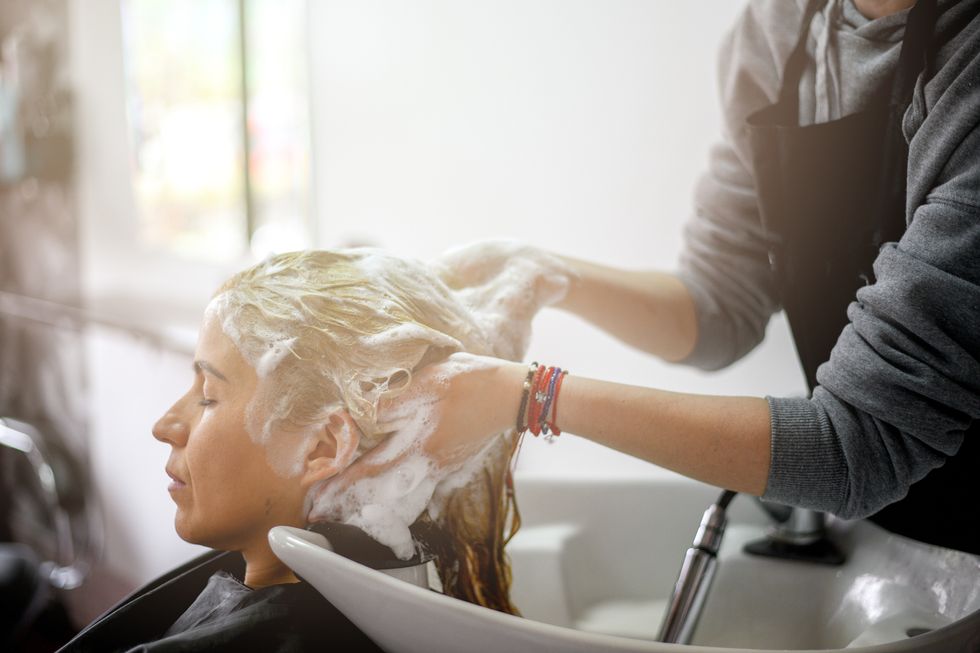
185 531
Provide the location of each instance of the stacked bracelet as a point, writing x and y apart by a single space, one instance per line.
540 397
531 371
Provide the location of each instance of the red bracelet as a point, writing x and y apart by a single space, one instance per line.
538 394
535 407
542 397
541 388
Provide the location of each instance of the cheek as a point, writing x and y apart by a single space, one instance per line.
286 453
238 484
220 459
233 475
231 494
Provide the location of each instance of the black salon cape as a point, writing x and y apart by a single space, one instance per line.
276 619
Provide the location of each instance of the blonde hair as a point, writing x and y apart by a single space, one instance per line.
344 328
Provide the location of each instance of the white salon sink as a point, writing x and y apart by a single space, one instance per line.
595 563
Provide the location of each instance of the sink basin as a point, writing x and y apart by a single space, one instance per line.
596 560
609 553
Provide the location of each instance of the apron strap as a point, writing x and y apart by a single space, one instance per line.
917 50
789 92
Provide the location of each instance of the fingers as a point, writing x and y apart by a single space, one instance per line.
474 264
396 411
369 465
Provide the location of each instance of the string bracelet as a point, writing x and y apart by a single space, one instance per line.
532 370
538 397
537 388
554 373
554 407
534 411
539 400
541 397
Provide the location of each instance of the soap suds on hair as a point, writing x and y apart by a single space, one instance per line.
387 503
383 506
504 284
480 299
272 356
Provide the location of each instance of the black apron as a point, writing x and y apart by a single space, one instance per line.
830 195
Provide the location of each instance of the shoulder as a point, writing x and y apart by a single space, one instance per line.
942 123
751 56
955 74
769 27
277 619
761 39
148 612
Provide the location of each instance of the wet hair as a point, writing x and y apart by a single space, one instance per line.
329 329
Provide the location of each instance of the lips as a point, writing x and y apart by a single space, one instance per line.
176 482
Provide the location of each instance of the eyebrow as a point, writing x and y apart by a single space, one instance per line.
204 366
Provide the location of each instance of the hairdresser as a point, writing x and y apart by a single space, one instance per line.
846 191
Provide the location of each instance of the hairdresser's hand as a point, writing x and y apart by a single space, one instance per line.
505 283
449 413
453 408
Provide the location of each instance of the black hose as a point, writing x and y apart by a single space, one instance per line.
725 499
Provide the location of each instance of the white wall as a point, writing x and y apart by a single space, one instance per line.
579 126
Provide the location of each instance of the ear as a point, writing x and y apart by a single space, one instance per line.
336 443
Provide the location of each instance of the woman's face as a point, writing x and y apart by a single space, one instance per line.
228 496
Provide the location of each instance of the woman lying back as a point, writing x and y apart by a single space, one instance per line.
295 360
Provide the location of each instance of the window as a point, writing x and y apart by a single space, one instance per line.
217 106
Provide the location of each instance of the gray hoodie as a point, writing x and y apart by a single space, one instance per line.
902 385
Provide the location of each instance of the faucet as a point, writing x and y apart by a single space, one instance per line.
696 575
799 534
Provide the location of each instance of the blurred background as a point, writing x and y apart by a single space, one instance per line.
150 148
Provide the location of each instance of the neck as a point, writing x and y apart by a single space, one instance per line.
263 568
877 8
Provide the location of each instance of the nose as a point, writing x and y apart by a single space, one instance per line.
171 428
